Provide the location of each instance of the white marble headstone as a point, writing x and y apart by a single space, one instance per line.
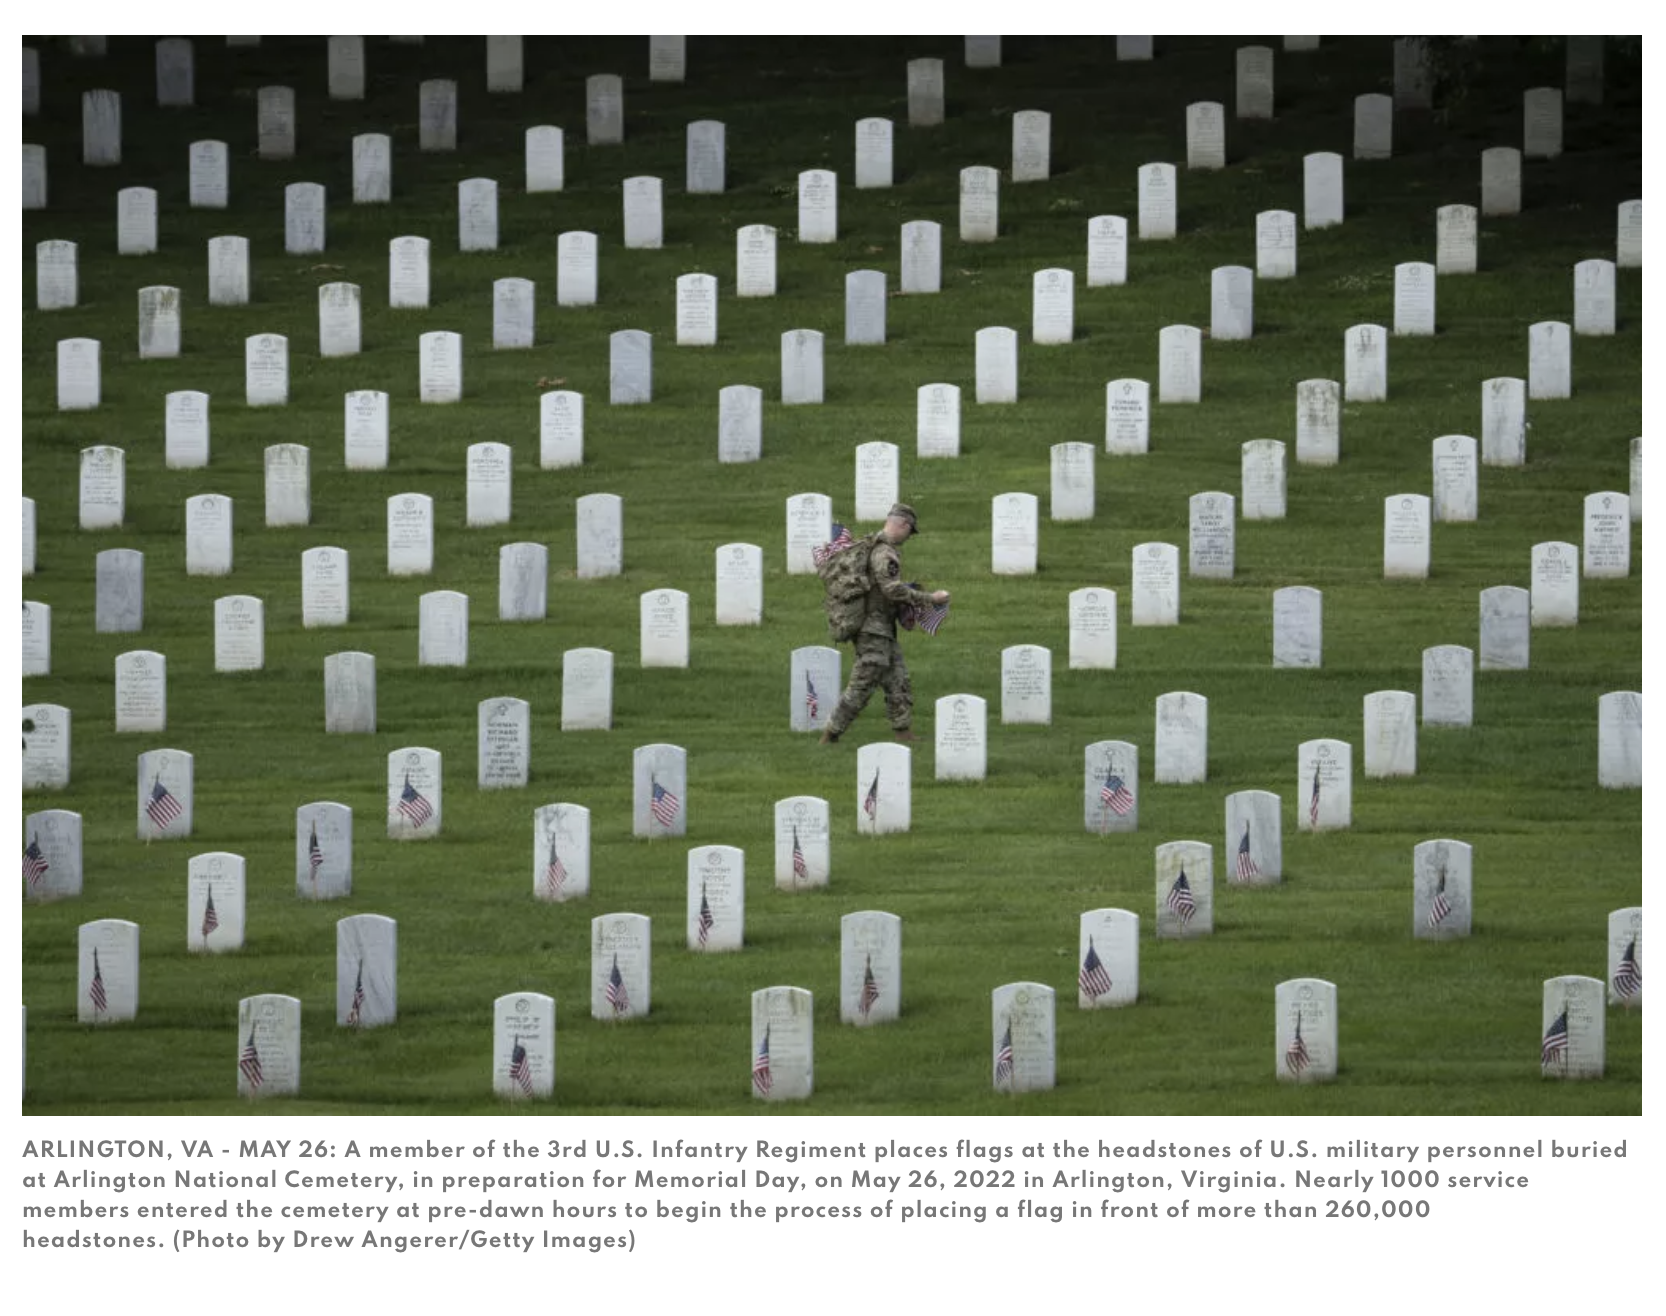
56 282
961 734
239 633
1262 475
440 368
1024 1056
36 638
1305 1030
1321 189
1127 416
414 794
215 899
873 153
365 424
513 313
350 693
1072 483
523 1046
1448 686
27 522
1298 627
46 746
783 1044
410 534
165 794
1185 890
1181 754
1505 629
1607 552
1206 135
996 364
815 686
937 421
522 582
644 213
288 485
755 261
1455 478
408 272
489 484
600 522
505 66
1158 203
52 855
1625 957
1093 628
546 157
275 123
1541 109
818 206
266 370
1504 422
1620 740
1391 734
884 777
338 319
801 367
1500 181
268 1046
876 480
1457 238
503 743
1107 251
1026 685
367 971
185 430
740 585
1572 1027
980 202
664 628
344 57
1365 374
809 526
1179 363
228 271
1628 235
561 855
1275 244
1593 297
667 59
696 310
1232 302
1414 299
705 173
103 487
1213 536
1318 422
33 187
925 93
803 843
621 952
119 602
1111 787
1255 82
1032 132
372 169
630 367
586 690
1554 597
1155 572
303 218
1442 905
870 967
1014 529
1324 785
604 109
660 792
1053 306
208 521
864 308
1549 360
100 128
443 629
1108 959
107 978
1373 127
78 374
1254 838
740 423
1134 48
209 173
560 429
437 115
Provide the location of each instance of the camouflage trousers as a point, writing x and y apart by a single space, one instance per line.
879 662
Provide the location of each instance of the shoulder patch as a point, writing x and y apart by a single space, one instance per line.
894 568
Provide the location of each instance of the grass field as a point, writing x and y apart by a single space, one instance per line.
992 878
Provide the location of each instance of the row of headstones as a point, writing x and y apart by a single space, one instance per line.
1022 1034
630 368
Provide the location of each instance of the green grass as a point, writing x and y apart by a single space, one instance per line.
991 881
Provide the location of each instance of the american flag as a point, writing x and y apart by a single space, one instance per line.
617 996
1313 803
95 993
1556 1040
555 872
870 806
761 1080
870 989
520 1068
1094 979
1244 865
664 804
210 917
1180 900
812 705
1628 978
927 617
34 863
1003 1058
1295 1055
249 1063
841 540
414 805
315 855
1114 794
801 870
705 922
1440 906
354 1010
162 808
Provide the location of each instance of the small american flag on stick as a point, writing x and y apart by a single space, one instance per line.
663 804
1440 906
801 870
617 997
870 989
870 805
1114 794
315 856
249 1063
555 872
1555 1045
162 808
1180 900
762 1081
414 805
95 993
1628 978
1094 979
520 1068
1295 1055
355 1010
812 705
210 917
1244 866
34 863
705 922
1313 802
1003 1059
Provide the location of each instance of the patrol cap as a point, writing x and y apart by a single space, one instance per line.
903 512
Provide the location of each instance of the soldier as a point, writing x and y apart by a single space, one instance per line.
879 660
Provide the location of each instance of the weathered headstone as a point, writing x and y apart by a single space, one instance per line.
561 854
268 1046
870 967
1549 360
165 795
1406 536
1455 478
1625 957
1500 181
1321 189
1262 474
228 271
1503 422
884 780
961 733
696 310
1108 959
705 171
575 269
1414 74
338 319
185 430
410 534
1093 628
523 1046
621 947
1254 838
601 535
344 57
1053 306
983 52
216 884
119 606
560 429
1628 235
27 520
1391 734
1373 127
755 261
1032 134
783 1044
503 743
1206 135
1593 297
522 582
809 526
1448 686
513 313
740 585
1026 685
1275 244
443 629
408 272
107 979
440 366
1072 483
644 213
505 65
1607 535
1414 299
303 218
1014 521
350 694
210 187
864 308
818 206
208 520
266 370
372 169
1232 302
937 421
667 59
1212 537
1107 251
1255 82
1572 1040
1111 787
1365 374
239 633
586 690
489 489
33 188
876 480
1324 785
1156 582
604 109
103 491
36 638
1442 908
1298 627
997 364
1181 754
1541 109
1505 629
1620 740
546 159
52 855
367 971
288 485
1318 422
660 794
275 123
630 371
803 846
980 203
477 215
136 221
100 128
925 93
1158 212
1554 599
814 687
325 587
873 153
1179 363
801 367
664 628
57 286
1185 890
1457 240
1127 416
437 115
1022 1036
1305 1029
46 745
414 794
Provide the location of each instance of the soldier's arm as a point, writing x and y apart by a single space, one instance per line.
887 573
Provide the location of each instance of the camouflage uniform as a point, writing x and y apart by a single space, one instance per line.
879 660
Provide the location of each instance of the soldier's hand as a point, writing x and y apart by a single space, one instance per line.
941 596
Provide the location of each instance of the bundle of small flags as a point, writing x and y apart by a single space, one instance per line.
841 540
927 618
